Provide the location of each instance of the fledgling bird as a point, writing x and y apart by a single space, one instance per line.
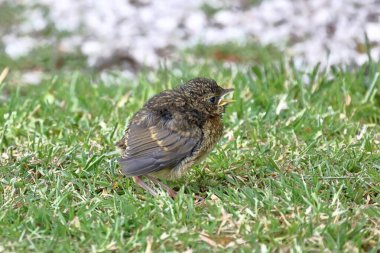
172 131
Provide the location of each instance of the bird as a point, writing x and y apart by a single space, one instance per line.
173 131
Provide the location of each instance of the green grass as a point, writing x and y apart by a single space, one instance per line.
298 168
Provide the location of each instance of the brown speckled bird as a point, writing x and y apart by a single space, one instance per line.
172 131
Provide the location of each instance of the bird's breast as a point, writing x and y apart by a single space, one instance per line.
212 132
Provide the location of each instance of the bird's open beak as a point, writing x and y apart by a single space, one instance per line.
224 101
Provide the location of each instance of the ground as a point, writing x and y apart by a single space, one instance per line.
297 168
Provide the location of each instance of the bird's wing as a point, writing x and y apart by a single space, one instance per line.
151 149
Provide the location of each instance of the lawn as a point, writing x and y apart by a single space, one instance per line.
297 169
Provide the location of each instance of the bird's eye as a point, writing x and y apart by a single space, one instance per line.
212 100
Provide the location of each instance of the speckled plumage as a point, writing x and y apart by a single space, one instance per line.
173 130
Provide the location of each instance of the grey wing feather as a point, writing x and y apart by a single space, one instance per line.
152 149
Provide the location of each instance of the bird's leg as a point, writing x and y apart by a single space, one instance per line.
141 183
172 193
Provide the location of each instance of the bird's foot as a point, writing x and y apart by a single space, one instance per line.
199 200
173 194
141 183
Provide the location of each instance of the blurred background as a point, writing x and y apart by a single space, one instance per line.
40 36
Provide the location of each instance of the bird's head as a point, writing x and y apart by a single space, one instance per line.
206 96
